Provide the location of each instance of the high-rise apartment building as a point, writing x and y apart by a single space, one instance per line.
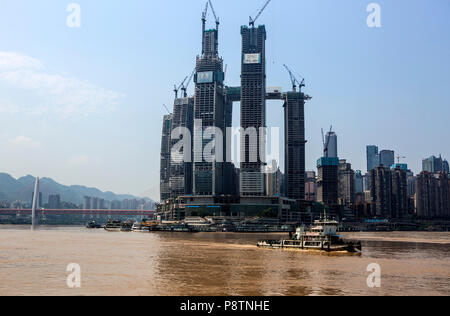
253 109
346 183
381 191
399 192
433 195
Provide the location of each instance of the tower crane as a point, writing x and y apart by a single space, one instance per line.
295 81
175 89
184 88
400 157
252 21
204 14
214 13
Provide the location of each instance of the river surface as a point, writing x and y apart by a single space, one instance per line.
35 263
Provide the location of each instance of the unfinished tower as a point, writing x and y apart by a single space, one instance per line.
209 111
253 109
165 158
294 126
181 171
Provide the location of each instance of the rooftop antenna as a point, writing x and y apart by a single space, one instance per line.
252 21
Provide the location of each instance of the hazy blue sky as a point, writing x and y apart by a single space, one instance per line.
84 105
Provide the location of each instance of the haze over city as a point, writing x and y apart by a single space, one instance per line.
84 105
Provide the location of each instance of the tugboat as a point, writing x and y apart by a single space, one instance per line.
321 237
93 225
113 226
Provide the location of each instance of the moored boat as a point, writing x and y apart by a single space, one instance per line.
144 226
321 237
113 226
93 225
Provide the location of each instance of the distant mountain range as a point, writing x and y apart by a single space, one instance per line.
21 190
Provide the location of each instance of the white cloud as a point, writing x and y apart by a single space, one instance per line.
24 142
52 93
9 60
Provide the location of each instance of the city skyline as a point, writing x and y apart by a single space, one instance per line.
118 150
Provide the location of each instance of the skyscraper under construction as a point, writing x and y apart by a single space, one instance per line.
209 112
294 118
253 109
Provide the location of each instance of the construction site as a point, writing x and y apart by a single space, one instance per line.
224 188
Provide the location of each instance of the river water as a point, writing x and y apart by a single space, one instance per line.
34 263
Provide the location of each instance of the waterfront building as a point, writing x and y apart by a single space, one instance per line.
400 201
311 186
381 191
432 195
327 181
346 184
253 108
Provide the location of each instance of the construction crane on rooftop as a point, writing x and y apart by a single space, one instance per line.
184 88
177 89
295 81
214 13
252 21
204 14
400 157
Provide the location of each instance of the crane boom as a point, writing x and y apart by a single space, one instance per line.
167 109
184 88
295 81
214 13
177 89
252 21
